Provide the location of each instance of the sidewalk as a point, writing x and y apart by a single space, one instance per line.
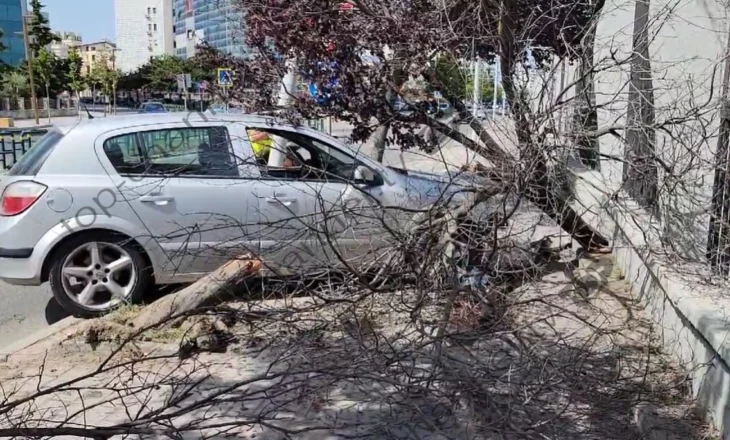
571 365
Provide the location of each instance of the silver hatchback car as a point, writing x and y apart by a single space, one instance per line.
109 207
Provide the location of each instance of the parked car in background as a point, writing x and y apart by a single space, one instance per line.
163 200
152 107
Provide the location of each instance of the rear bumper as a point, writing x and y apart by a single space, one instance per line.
20 271
14 254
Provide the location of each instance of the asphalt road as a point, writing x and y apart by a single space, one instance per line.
24 310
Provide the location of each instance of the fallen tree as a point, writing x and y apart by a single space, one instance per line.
334 44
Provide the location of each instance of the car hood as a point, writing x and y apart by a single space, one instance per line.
429 188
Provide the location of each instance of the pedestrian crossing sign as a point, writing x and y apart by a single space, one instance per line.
225 77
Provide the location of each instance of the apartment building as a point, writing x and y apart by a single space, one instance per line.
97 52
144 29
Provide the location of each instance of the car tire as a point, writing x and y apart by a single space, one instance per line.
138 288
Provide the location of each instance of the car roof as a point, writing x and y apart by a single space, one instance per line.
98 126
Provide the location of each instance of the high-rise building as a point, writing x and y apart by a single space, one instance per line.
68 41
216 22
11 22
144 29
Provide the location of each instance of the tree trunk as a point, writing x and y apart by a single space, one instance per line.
539 190
640 172
48 103
205 292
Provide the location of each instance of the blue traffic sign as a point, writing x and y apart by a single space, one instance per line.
225 77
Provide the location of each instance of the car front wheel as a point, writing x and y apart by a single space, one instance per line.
94 274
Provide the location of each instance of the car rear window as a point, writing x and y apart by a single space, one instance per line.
36 156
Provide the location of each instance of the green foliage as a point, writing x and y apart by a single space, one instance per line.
15 84
74 64
52 73
160 73
39 29
452 76
104 77
458 80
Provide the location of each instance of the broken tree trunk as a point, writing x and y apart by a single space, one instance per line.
208 290
540 190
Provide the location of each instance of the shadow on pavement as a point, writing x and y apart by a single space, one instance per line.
54 312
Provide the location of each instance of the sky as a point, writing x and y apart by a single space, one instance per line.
93 19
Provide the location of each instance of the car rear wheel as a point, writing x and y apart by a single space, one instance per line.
94 274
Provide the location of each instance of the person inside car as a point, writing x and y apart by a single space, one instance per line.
261 144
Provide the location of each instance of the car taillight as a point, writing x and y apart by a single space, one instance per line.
19 196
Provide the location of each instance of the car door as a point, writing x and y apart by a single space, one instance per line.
187 184
310 220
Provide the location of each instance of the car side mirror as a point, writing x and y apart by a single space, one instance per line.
366 176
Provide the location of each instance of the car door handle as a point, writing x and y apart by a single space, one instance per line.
286 201
157 200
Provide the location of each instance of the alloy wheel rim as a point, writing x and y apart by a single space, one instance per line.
98 275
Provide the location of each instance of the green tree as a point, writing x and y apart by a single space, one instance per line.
15 84
39 29
452 76
162 72
105 78
75 80
45 64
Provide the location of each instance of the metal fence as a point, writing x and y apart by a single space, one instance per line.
14 143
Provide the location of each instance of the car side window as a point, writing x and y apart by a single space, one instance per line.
186 151
306 158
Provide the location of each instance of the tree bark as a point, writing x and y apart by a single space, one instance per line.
48 103
204 292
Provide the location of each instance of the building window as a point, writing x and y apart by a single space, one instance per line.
155 26
148 11
93 48
93 58
88 70
154 10
149 27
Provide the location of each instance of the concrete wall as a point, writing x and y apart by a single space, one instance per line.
662 257
687 43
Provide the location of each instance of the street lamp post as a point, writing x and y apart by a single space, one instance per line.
29 59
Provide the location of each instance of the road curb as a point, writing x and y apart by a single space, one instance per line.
37 337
